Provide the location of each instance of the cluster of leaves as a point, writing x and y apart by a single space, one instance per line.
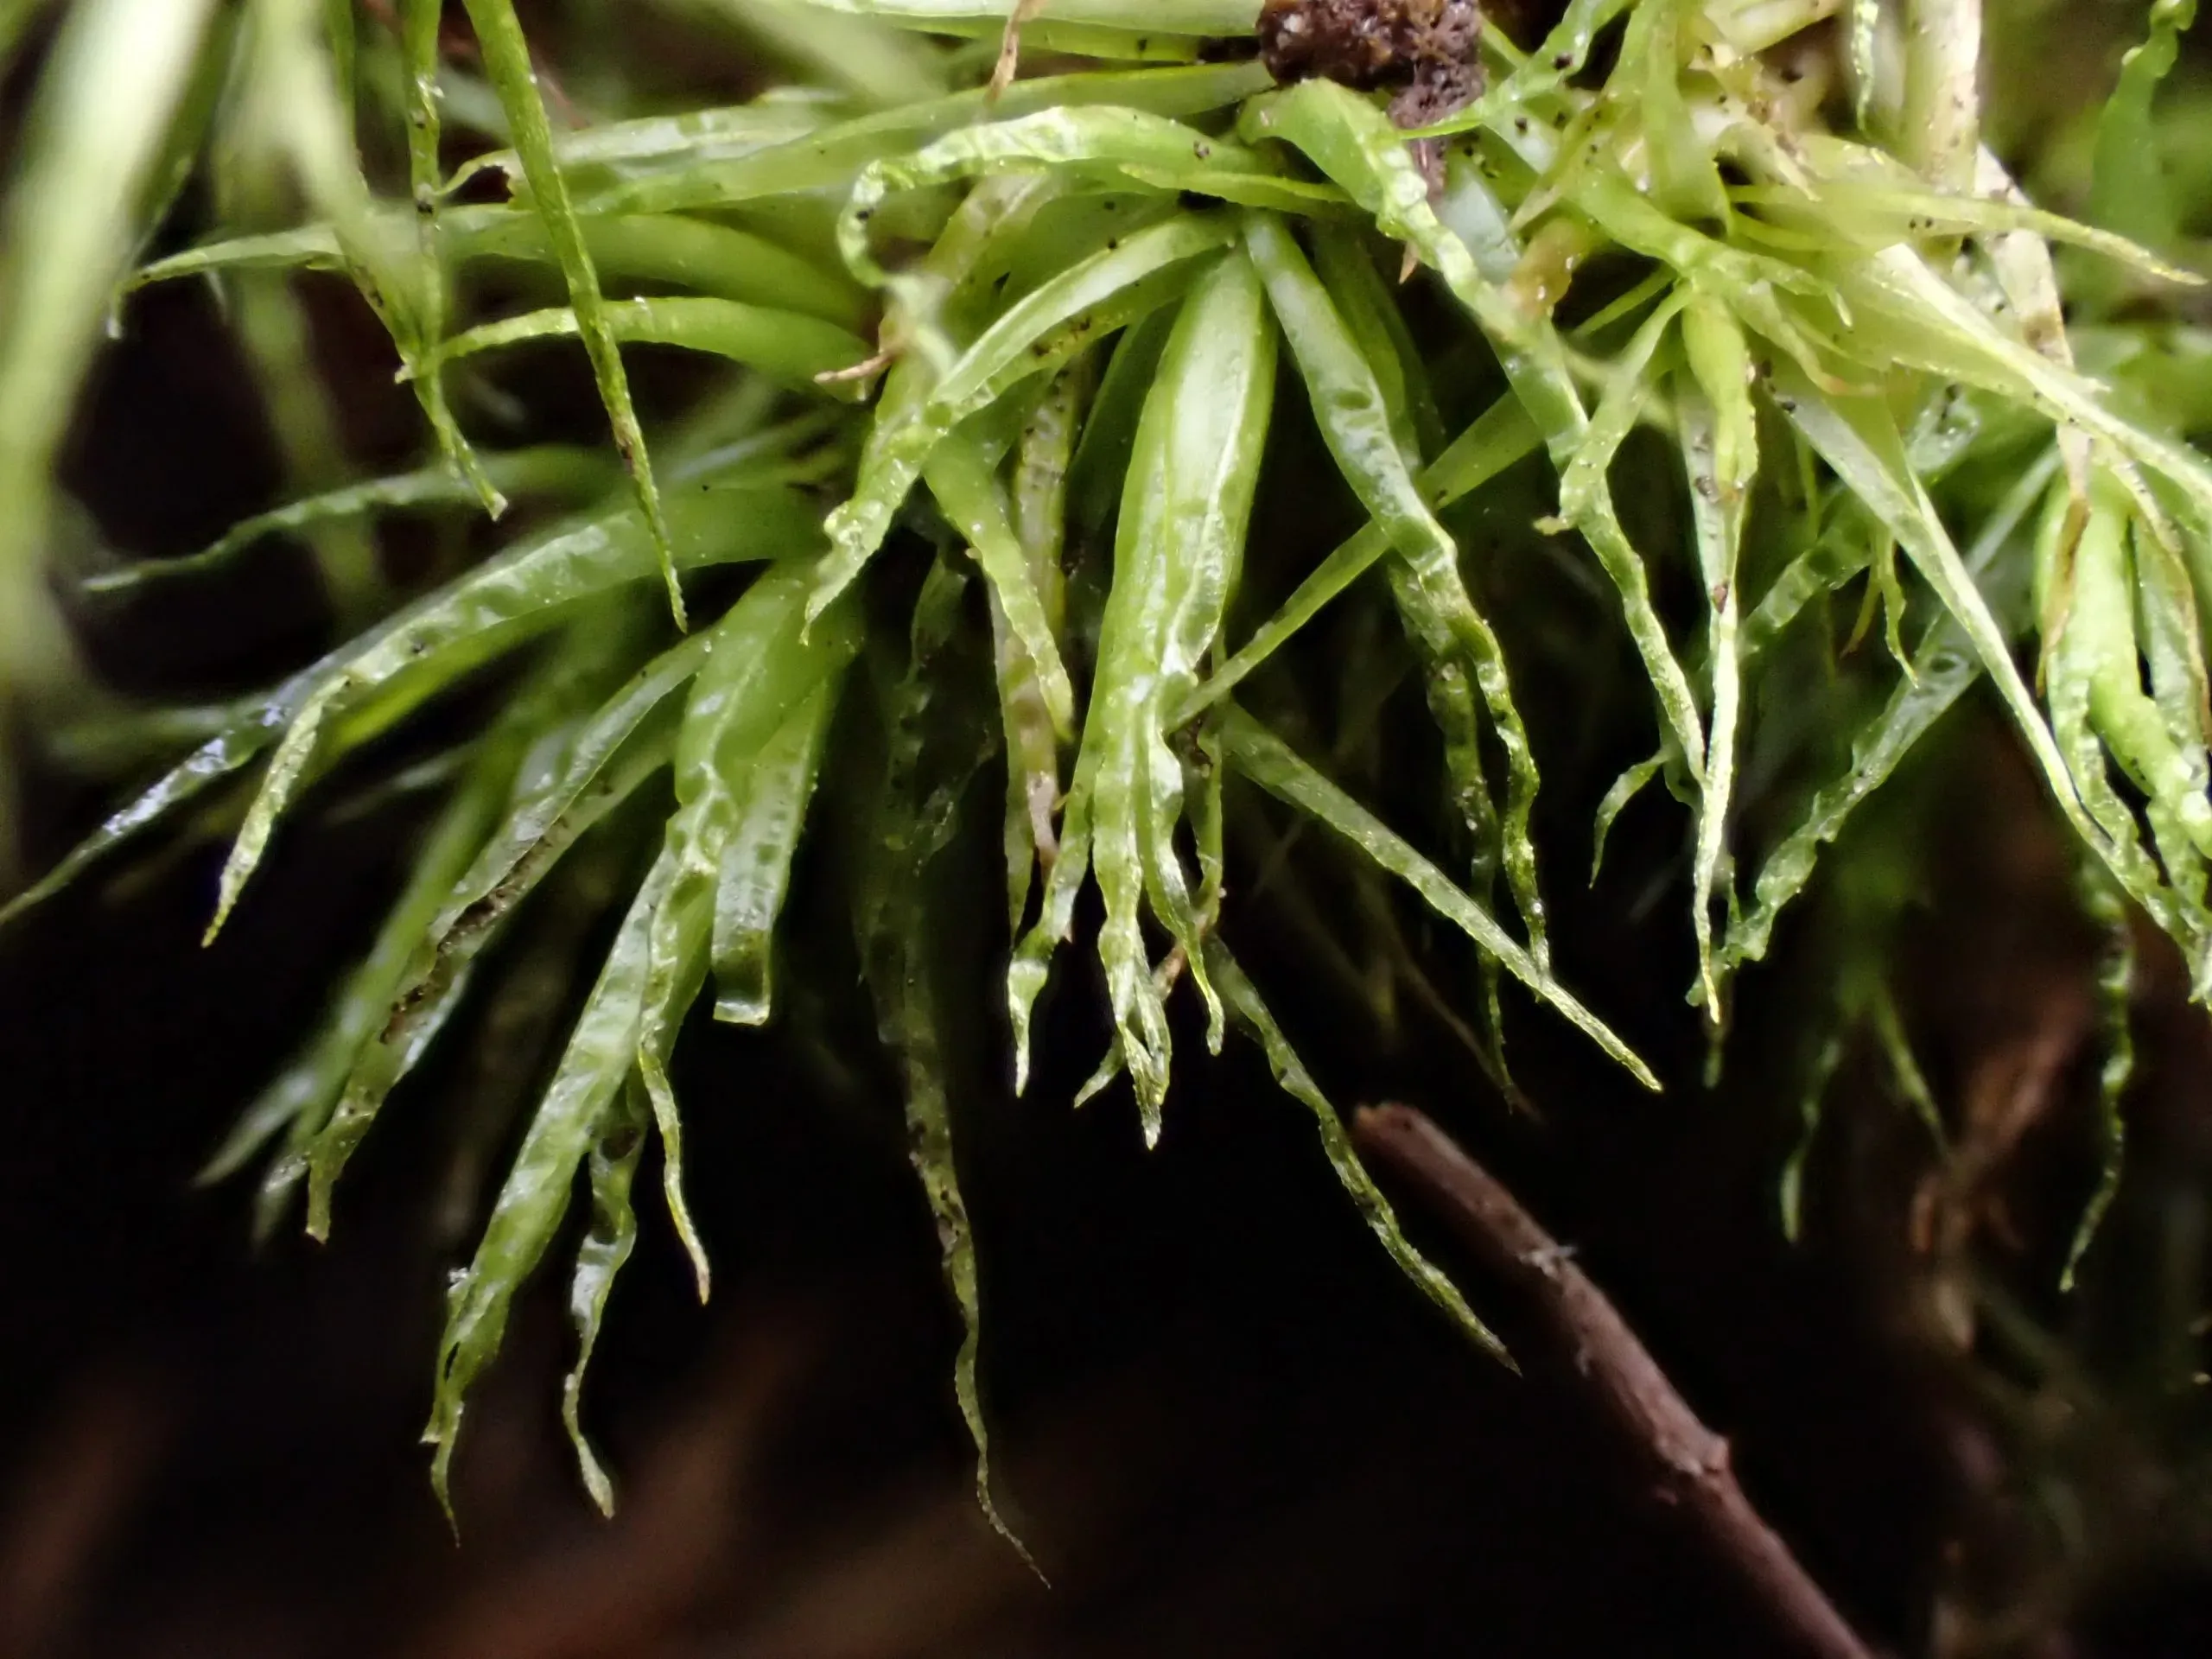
1774 241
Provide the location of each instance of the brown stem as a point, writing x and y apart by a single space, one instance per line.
1690 1463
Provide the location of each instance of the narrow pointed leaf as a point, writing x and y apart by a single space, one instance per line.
1178 549
1354 144
506 600
612 1234
300 1097
507 61
1036 334
607 758
788 347
721 261
1042 466
763 666
933 750
2116 974
557 470
1946 665
756 861
1146 149
1249 1012
420 24
969 491
1457 644
828 159
1500 437
533 1199
1258 754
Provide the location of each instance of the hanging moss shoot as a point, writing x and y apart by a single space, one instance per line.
1093 557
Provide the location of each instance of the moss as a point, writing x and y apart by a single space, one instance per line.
1818 326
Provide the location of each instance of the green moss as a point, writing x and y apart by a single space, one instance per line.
1842 314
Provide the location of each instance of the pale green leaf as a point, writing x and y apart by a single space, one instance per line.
1258 754
507 61
1249 1012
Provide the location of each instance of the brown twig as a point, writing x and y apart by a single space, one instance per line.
1010 60
1689 1462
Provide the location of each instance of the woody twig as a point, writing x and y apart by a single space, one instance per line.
1688 1463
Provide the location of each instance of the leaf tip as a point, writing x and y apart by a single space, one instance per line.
676 608
588 1467
441 1475
998 1523
672 1170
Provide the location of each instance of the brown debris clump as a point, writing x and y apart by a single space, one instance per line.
1428 51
